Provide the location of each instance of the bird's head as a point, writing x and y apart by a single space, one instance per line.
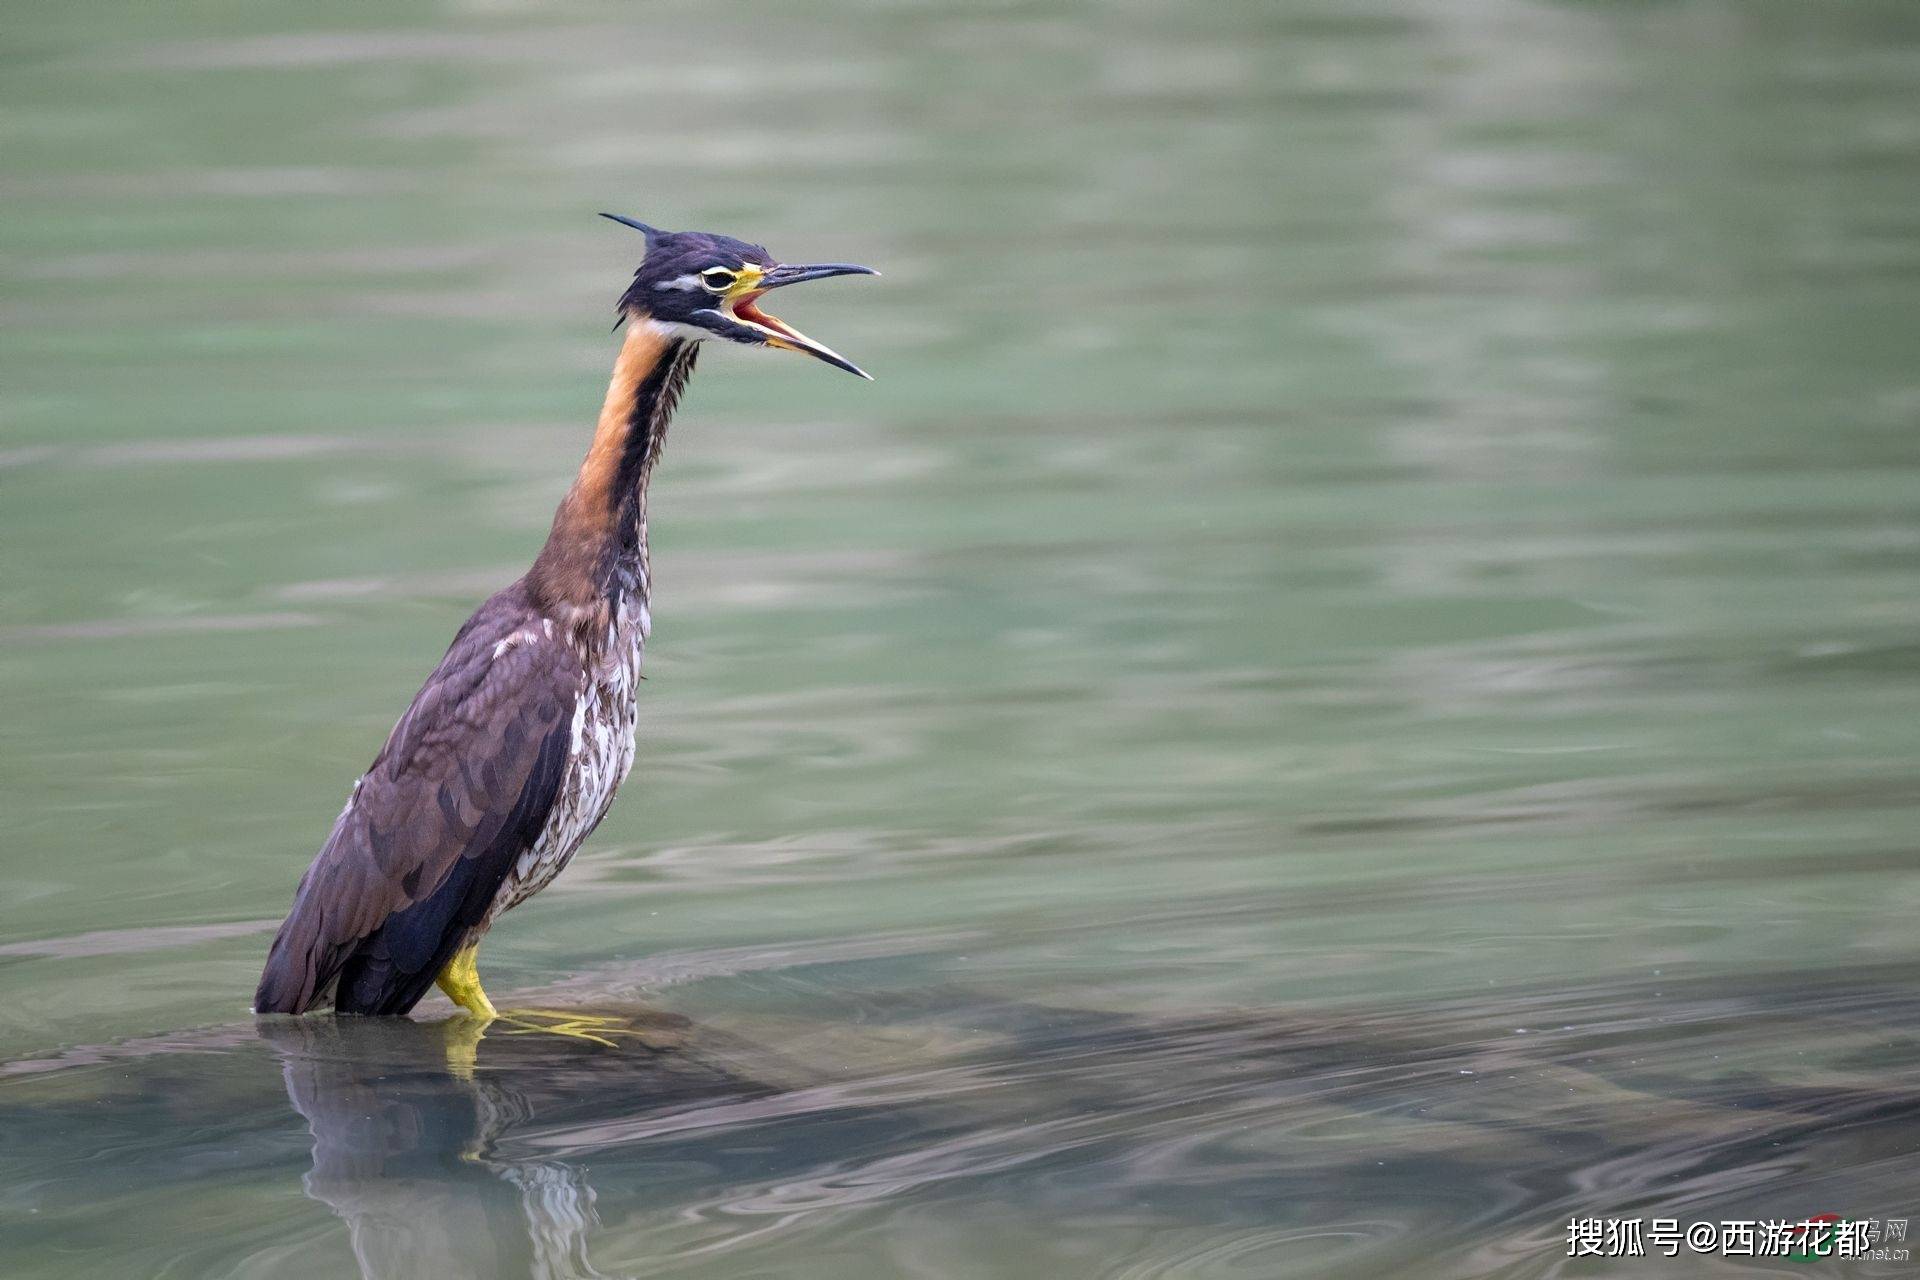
698 286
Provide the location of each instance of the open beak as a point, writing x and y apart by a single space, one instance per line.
744 307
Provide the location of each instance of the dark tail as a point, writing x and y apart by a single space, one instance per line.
303 965
293 981
387 971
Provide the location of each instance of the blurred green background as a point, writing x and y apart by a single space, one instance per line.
1365 509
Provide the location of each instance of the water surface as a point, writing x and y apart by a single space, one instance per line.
1348 695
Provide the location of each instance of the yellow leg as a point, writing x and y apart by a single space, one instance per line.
461 981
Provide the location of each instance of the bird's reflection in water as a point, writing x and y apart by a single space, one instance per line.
411 1124
917 1131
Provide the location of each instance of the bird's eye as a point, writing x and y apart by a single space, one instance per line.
718 279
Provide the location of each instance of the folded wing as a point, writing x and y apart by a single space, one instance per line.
462 788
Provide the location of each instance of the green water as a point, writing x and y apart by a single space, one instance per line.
1349 694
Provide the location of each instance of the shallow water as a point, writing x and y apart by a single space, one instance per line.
1348 695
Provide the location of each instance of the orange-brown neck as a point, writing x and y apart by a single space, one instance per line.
598 545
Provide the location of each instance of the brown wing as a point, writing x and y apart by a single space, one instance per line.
461 789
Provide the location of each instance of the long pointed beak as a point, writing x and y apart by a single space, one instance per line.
783 335
785 275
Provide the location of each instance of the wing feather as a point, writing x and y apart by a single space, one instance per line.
462 787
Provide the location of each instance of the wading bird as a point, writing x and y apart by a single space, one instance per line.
511 753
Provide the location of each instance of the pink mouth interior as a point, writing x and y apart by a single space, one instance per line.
746 310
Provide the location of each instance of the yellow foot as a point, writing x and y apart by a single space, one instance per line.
572 1024
461 981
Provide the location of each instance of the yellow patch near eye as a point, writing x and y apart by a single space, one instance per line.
746 280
